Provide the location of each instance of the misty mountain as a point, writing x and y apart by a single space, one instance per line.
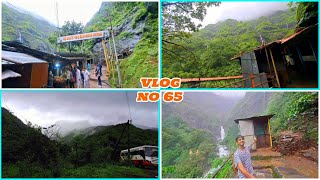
202 110
26 152
252 104
31 29
214 46
66 127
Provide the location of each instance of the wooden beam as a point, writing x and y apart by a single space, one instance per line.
106 56
274 68
210 79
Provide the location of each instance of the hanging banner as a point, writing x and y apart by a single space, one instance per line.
79 37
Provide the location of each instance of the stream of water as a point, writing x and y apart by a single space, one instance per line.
222 151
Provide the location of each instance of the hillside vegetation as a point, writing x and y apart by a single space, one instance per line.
192 126
207 53
136 30
190 132
34 30
26 152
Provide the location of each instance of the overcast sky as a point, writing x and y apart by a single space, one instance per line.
230 93
68 10
99 108
241 11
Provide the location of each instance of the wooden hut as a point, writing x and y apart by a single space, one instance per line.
289 62
20 70
256 127
24 67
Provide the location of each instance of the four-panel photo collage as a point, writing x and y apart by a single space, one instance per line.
159 89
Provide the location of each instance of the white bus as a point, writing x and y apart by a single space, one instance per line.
142 156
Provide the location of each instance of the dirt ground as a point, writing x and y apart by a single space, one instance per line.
265 162
94 79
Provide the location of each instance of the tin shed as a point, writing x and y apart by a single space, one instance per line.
258 127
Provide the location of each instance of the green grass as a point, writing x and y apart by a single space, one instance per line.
87 171
113 171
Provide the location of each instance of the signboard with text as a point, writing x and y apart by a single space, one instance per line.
79 37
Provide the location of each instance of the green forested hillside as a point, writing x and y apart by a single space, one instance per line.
284 105
190 132
136 29
34 30
182 134
207 53
186 151
26 152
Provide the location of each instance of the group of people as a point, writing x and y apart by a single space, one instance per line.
77 78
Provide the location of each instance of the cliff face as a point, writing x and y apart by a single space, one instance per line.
21 25
135 26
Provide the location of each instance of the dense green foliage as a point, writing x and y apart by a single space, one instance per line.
27 152
186 151
69 28
287 105
207 53
34 31
143 62
182 134
306 13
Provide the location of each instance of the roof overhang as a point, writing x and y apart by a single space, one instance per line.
255 118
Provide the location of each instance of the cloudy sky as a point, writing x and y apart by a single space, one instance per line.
98 108
68 10
241 11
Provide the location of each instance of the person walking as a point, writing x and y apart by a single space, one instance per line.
99 73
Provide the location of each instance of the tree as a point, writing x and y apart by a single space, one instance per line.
178 22
306 13
180 16
69 28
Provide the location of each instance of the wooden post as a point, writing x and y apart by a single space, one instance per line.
106 57
313 51
274 68
270 132
115 52
253 85
265 49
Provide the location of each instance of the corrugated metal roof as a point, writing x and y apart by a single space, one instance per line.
6 62
254 118
281 41
20 58
9 74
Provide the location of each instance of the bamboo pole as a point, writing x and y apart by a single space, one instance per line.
274 68
270 132
106 57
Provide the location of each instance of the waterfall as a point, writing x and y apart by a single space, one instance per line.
222 133
20 36
223 151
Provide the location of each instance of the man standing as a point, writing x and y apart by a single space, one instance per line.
78 76
99 73
242 159
86 75
89 67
